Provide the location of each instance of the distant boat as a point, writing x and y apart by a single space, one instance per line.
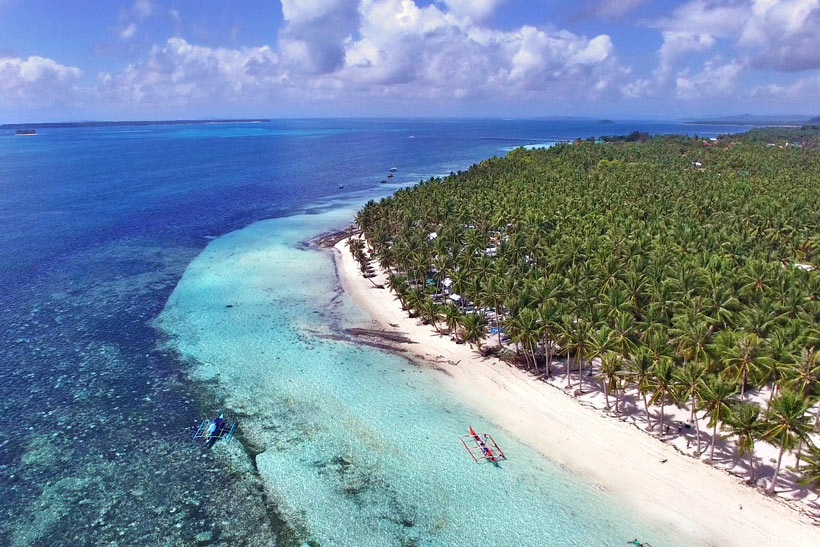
393 169
383 181
390 176
412 137
25 132
341 186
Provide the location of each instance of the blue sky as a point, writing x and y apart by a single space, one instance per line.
151 59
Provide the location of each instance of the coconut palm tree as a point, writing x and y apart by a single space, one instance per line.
743 420
716 397
575 335
742 355
810 470
661 383
452 318
689 381
611 376
639 371
785 423
475 328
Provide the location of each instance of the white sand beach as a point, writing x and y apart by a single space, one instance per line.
651 476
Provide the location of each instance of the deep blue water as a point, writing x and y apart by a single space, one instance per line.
96 227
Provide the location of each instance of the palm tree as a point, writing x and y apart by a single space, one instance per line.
475 328
689 380
661 382
525 330
743 420
639 370
452 318
430 312
810 470
575 335
549 316
742 356
611 369
716 396
786 423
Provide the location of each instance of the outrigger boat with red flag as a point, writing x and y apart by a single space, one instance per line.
482 447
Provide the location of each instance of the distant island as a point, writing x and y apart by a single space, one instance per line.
605 121
765 120
53 125
25 132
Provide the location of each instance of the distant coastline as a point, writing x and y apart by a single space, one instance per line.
53 125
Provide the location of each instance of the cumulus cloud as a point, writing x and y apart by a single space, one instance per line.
475 9
783 35
182 73
777 34
804 90
36 81
315 32
716 80
384 50
428 51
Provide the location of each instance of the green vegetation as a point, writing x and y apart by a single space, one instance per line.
680 268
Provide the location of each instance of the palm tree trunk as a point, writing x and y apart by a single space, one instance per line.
771 395
646 407
580 374
606 393
569 368
743 385
617 401
497 324
697 433
752 466
770 490
548 369
663 408
714 439
799 450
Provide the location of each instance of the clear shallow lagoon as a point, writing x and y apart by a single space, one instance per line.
98 225
361 447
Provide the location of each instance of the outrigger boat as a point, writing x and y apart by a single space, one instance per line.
213 430
482 447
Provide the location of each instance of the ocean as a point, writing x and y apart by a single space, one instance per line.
156 275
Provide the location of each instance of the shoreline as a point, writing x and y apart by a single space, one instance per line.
701 501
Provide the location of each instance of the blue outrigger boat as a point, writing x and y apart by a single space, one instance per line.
213 430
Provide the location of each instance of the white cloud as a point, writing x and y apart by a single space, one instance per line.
778 34
474 9
716 80
641 87
128 31
383 52
315 32
676 45
36 81
142 8
805 90
181 73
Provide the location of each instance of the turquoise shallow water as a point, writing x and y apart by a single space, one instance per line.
357 446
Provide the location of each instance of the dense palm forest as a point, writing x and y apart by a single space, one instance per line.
683 268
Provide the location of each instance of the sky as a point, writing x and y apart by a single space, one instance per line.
155 59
